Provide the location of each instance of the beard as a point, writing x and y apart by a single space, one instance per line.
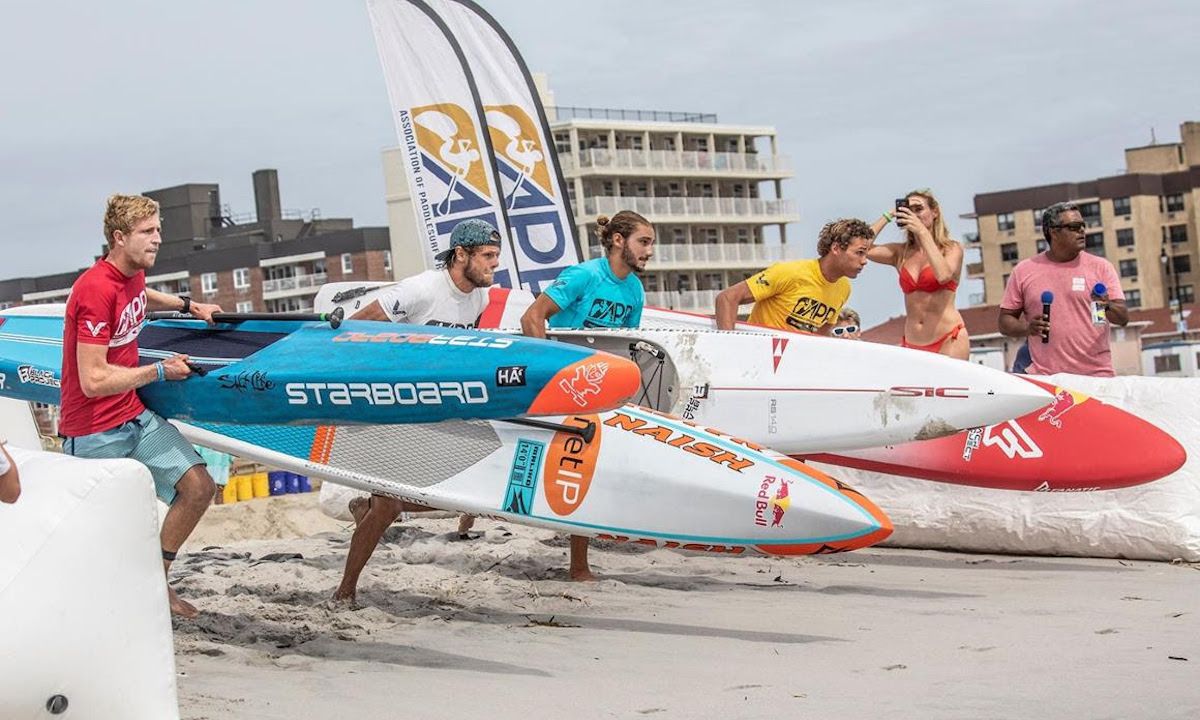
478 277
631 260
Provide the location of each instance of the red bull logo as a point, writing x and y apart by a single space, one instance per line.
586 381
1064 400
772 502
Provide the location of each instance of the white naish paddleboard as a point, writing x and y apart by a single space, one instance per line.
795 392
642 477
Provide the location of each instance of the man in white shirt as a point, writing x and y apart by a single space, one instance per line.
454 296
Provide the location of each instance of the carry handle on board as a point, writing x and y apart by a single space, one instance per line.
333 318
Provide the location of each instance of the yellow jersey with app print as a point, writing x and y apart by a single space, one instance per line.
795 295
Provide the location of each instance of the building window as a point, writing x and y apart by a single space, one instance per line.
208 282
1037 217
1166 363
185 286
319 266
1121 206
1008 252
1125 237
1181 263
387 260
1005 221
1174 202
245 306
1004 280
1133 298
1090 212
1042 245
1175 233
1186 295
1128 268
1094 243
241 278
347 263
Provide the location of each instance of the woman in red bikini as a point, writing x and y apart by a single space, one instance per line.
929 263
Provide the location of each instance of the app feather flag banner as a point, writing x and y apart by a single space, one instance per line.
533 192
439 120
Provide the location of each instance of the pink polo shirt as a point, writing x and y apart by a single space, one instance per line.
1076 344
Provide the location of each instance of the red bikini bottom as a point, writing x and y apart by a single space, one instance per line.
936 345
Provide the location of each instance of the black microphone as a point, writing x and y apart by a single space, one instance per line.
1047 298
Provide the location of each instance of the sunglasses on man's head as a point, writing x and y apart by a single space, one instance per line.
1073 227
845 330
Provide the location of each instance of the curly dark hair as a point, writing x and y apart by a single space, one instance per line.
841 233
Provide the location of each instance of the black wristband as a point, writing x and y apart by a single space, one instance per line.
187 305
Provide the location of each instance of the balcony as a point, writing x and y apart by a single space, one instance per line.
292 286
702 301
599 161
694 209
713 255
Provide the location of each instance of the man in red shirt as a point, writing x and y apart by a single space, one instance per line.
102 416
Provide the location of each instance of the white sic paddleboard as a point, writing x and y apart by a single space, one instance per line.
642 477
795 392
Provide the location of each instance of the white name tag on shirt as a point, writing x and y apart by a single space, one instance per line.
1078 284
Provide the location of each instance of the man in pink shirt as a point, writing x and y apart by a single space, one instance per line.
1086 298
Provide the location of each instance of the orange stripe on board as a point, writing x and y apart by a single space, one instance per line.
322 445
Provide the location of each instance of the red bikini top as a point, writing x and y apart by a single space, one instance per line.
926 281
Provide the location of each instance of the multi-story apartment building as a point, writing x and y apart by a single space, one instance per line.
273 260
712 190
699 181
1144 221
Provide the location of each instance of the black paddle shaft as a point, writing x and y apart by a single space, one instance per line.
587 432
333 318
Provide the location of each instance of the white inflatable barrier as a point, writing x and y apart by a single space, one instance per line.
1156 521
84 620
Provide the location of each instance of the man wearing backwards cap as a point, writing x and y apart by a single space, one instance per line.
454 296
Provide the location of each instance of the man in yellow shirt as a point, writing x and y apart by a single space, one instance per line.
803 295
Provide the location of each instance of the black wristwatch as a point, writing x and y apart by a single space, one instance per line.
187 305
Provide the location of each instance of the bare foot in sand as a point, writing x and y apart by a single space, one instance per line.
359 507
583 576
179 606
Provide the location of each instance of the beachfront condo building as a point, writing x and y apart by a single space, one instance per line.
1143 220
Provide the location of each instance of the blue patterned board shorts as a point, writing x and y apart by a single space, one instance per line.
150 440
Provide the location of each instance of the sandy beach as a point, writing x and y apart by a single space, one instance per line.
490 627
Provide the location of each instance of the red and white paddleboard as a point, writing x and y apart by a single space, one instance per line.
1075 444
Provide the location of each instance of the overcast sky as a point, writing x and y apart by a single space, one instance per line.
870 99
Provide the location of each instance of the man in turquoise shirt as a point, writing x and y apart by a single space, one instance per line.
600 293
